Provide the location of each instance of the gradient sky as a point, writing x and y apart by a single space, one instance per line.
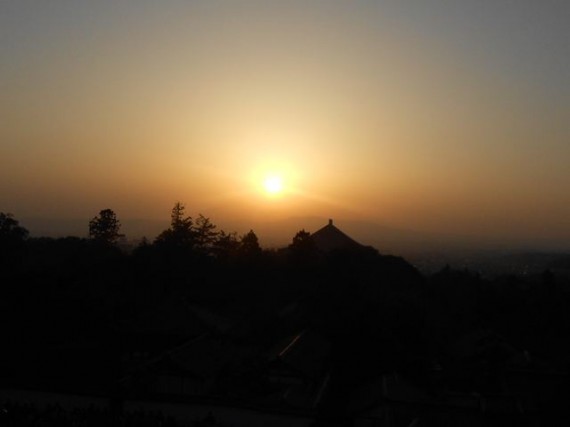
431 115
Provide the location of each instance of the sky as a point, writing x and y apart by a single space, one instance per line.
438 116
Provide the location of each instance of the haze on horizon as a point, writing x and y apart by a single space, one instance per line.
436 116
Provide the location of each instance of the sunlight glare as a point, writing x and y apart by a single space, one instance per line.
273 184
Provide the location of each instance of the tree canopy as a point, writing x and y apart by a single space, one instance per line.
303 248
12 239
105 227
249 245
181 232
10 229
204 233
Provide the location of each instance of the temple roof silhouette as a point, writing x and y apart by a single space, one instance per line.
330 238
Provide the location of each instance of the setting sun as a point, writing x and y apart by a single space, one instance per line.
273 184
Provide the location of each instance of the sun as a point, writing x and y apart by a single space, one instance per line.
273 184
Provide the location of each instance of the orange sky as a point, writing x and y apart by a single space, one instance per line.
452 118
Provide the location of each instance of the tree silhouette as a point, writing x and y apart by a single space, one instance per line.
225 245
204 234
181 232
303 242
303 249
10 230
249 245
105 227
178 222
12 239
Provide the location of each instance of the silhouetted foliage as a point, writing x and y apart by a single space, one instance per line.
181 232
302 240
12 238
226 245
303 250
204 234
105 227
10 229
249 245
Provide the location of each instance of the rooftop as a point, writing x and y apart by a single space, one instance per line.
330 238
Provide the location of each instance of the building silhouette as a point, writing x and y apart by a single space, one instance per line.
330 238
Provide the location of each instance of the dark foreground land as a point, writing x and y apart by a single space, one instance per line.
217 332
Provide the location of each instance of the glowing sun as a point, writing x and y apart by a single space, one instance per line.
273 184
